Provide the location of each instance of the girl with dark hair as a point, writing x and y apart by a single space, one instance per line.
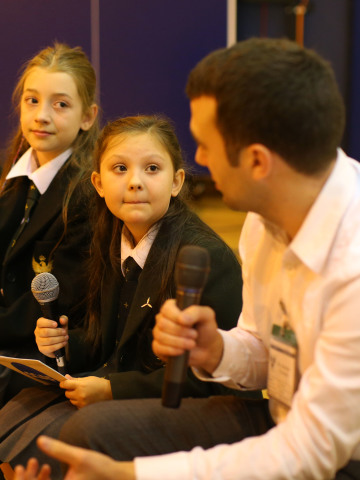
140 214
44 224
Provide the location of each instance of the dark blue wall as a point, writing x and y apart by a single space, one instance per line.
354 87
28 26
329 28
146 50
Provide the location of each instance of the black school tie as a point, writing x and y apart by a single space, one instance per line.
131 269
31 200
128 288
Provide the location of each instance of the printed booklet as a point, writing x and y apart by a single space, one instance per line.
34 369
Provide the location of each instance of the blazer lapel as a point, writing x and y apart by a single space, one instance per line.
110 294
143 304
12 204
146 299
48 207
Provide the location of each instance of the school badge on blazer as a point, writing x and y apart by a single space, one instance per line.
41 265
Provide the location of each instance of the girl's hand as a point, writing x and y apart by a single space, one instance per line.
49 337
32 472
87 390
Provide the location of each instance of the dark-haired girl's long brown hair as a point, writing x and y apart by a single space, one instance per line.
105 249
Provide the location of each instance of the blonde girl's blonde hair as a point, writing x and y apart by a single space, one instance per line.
73 61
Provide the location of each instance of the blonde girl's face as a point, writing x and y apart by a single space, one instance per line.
51 112
137 180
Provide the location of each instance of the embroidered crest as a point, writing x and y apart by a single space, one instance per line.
42 265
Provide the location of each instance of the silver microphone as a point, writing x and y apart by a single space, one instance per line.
45 289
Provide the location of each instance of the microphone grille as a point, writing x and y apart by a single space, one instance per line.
192 267
45 287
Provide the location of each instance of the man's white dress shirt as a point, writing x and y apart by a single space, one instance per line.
317 277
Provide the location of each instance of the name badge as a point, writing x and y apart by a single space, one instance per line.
283 375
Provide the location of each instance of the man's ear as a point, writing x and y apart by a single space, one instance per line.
259 160
89 117
96 181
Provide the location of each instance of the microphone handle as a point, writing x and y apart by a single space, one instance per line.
50 310
176 367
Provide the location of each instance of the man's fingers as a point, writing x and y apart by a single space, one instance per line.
58 450
19 472
45 472
30 472
170 311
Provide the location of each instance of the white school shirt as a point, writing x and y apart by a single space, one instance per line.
26 166
141 250
317 276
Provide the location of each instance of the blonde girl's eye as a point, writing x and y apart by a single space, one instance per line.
61 104
152 168
30 100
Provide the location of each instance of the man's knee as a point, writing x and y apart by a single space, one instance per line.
81 426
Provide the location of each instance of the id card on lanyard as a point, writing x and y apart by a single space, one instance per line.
283 375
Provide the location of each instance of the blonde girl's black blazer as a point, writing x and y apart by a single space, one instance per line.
32 254
223 292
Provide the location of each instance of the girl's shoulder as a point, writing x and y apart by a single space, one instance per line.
197 232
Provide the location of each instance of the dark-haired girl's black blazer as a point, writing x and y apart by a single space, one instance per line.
223 292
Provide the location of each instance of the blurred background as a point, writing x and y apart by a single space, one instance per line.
143 50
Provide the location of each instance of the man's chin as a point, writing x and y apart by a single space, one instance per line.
232 204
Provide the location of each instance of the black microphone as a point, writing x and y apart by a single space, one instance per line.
191 272
45 289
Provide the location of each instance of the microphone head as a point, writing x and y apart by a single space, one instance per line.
192 267
45 287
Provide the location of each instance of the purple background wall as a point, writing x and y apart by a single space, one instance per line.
146 50
354 84
330 29
25 28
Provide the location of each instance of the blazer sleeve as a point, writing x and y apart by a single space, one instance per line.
79 354
223 289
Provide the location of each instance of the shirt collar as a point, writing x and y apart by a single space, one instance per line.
42 176
141 250
313 241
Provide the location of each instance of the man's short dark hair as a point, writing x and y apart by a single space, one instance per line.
277 93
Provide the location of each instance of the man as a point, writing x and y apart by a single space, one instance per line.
268 118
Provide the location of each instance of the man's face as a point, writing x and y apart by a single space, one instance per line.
211 152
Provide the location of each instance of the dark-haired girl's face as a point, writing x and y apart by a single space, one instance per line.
137 180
